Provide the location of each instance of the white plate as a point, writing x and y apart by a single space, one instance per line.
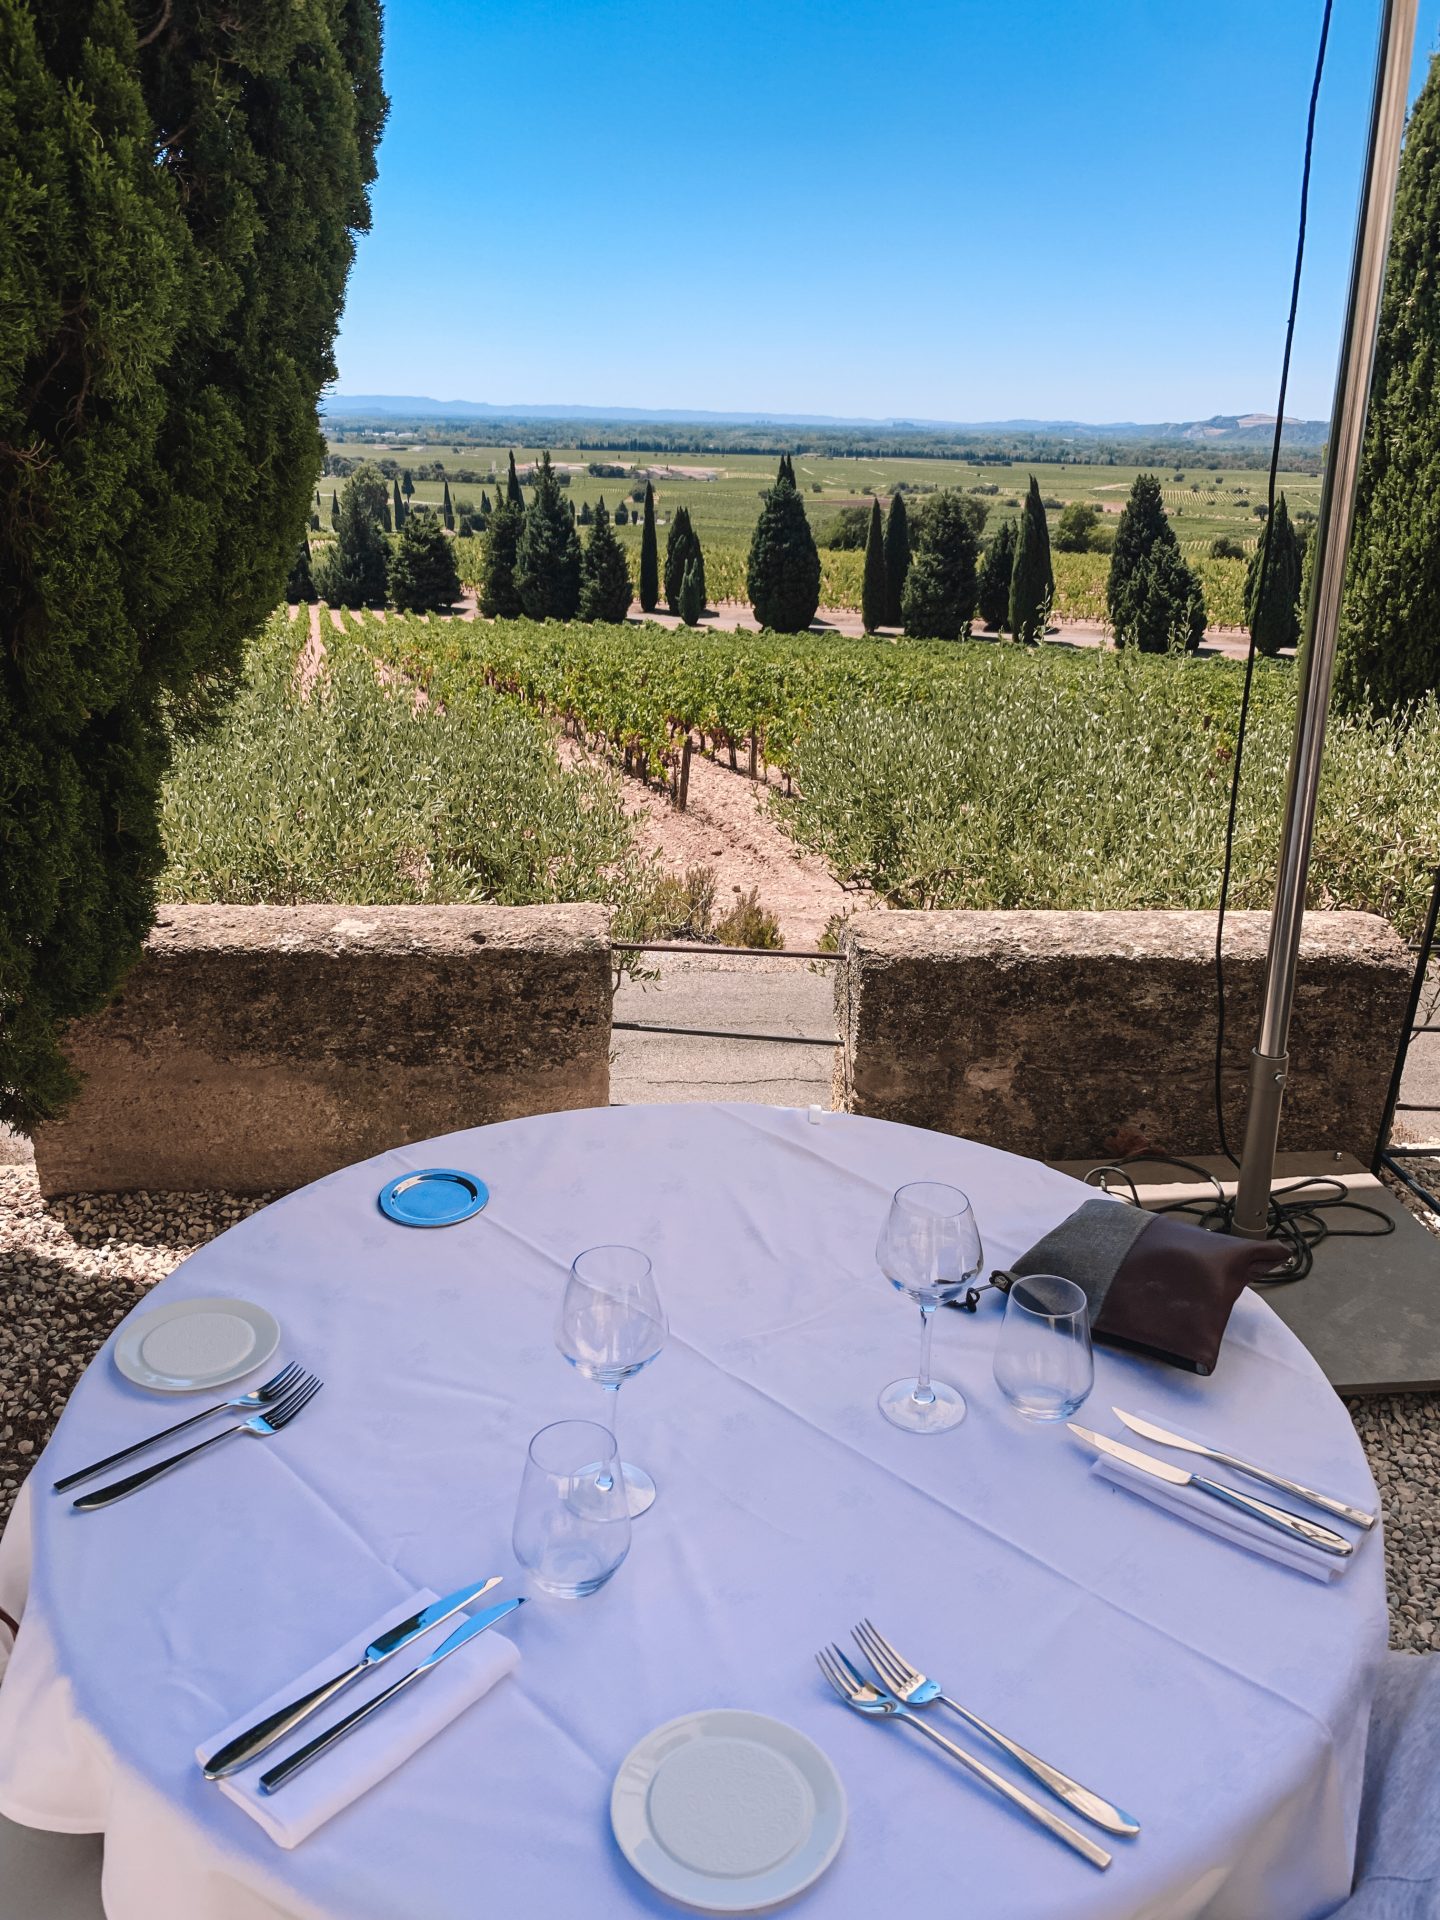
728 1811
193 1344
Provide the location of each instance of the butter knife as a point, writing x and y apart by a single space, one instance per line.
249 1745
1325 1501
272 1781
1310 1531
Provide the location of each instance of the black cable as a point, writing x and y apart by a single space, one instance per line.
1260 596
1295 1224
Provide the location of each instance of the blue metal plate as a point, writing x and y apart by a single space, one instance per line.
433 1197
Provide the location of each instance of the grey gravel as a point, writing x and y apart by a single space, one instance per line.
70 1270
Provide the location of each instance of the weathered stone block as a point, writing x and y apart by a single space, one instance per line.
259 1047
1068 1034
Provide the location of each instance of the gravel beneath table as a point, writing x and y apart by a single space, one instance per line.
70 1270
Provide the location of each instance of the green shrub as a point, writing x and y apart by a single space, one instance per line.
748 924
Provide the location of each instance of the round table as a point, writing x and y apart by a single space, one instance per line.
1221 1697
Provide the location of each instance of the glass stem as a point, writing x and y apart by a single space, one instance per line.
924 1392
612 1387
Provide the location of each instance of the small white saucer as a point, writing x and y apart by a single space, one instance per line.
193 1344
728 1811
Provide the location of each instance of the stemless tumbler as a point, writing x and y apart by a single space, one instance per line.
929 1248
1043 1362
572 1523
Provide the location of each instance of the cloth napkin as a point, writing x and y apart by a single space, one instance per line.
385 1741
1204 1510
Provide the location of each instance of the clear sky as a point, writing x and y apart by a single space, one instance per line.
953 209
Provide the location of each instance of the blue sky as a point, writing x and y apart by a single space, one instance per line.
957 209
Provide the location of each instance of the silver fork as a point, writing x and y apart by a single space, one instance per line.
907 1683
265 1424
273 1389
864 1698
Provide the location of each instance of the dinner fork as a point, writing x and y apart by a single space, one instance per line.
864 1698
264 1424
907 1683
273 1389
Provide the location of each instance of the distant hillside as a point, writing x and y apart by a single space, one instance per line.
1220 430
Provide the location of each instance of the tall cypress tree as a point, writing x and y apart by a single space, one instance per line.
407 485
397 505
682 547
1275 620
1155 601
604 572
649 556
334 509
447 512
353 572
783 573
1389 652
300 587
1032 578
514 493
993 598
874 599
547 559
692 596
940 588
897 559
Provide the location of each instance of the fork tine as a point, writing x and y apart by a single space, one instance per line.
274 1388
835 1666
857 1680
298 1397
878 1653
910 1676
823 1663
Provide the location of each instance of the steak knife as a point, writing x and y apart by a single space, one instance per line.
1310 1531
246 1746
1326 1502
272 1781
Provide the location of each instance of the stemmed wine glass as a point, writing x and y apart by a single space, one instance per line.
611 1325
929 1248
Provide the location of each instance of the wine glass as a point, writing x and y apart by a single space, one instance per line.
611 1325
1043 1362
929 1248
572 1522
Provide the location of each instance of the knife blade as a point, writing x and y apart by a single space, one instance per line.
1326 1502
1310 1531
249 1745
272 1781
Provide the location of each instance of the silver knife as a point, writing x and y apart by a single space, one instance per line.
272 1781
1326 1502
1280 1518
247 1746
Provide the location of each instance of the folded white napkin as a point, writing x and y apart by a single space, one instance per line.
1215 1516
382 1743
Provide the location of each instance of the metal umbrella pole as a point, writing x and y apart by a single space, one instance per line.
1270 1059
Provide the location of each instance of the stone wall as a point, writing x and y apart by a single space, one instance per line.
260 1047
1067 1034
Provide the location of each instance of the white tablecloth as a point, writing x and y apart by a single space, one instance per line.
1220 1697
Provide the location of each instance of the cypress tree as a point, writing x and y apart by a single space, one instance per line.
993 597
939 600
1154 599
484 504
547 559
407 486
682 545
874 601
897 559
587 512
622 515
604 572
334 509
514 492
423 575
499 595
300 587
1032 577
353 572
783 573
692 595
447 512
649 556
387 524
1275 621
181 186
397 505
1389 650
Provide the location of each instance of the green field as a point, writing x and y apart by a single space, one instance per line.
723 506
